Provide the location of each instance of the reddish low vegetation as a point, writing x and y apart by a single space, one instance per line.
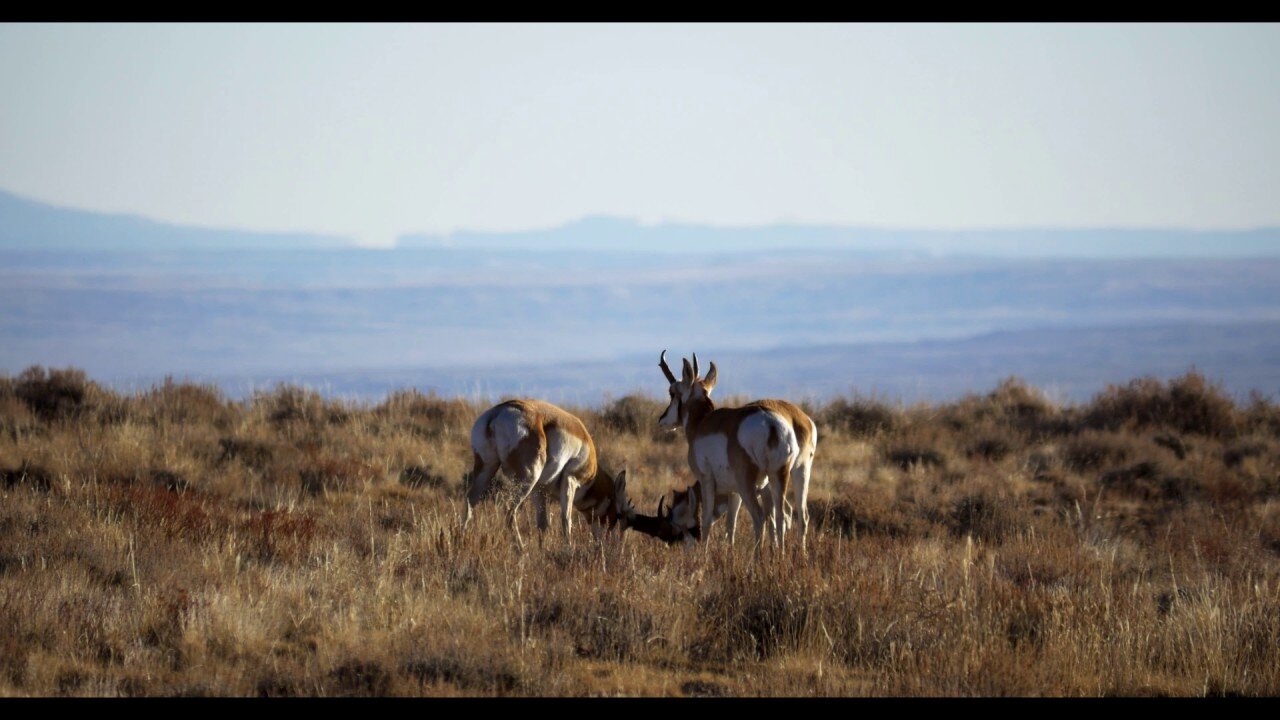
172 542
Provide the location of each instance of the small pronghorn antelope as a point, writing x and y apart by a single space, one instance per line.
741 451
544 448
686 505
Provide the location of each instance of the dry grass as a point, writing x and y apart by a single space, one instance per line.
174 543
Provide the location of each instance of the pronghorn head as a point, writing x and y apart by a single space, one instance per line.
683 514
686 392
666 526
626 512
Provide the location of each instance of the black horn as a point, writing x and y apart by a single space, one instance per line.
666 369
695 365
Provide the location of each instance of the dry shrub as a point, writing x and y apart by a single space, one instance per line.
419 476
859 417
336 474
183 403
1188 404
908 456
428 416
54 395
34 476
861 514
1014 409
1261 415
360 678
16 419
489 675
743 620
280 534
985 516
602 626
1092 451
288 405
1237 452
989 448
1173 444
254 454
175 514
632 415
1145 480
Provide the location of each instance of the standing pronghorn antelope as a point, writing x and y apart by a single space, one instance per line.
733 451
544 448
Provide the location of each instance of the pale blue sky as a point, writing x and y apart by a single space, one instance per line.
374 131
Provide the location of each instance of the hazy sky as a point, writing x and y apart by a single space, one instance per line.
373 130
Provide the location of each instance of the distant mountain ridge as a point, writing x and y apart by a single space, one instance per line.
601 233
1070 364
32 225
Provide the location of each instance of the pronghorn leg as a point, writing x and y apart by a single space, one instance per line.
779 478
708 507
567 487
524 486
731 519
525 463
800 476
540 511
481 475
747 493
766 506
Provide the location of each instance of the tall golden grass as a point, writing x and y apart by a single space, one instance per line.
171 542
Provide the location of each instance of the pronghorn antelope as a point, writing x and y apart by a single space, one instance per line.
544 448
767 444
686 505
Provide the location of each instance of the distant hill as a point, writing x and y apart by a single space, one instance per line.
1071 364
31 225
602 233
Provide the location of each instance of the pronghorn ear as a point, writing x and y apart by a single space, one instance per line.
709 381
687 373
620 482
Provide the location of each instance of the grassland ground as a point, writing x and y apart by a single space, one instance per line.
172 542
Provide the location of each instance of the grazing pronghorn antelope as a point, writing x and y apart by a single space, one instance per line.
740 451
686 504
544 448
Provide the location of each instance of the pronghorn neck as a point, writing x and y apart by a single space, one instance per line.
695 411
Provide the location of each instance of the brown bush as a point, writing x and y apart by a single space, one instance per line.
1188 404
427 416
863 514
280 534
1093 451
984 516
1244 448
909 456
331 473
632 414
858 417
252 453
749 621
289 405
418 476
990 448
54 394
182 403
27 473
